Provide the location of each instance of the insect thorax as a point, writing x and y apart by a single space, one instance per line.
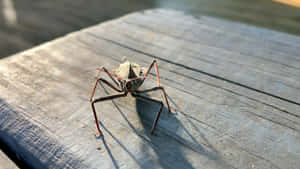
128 71
134 84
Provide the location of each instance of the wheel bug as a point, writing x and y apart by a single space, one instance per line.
128 78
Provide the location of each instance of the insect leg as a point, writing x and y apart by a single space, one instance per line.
100 100
111 77
156 69
154 89
109 84
158 113
95 86
158 83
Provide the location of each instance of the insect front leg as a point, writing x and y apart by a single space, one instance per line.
95 86
101 80
111 75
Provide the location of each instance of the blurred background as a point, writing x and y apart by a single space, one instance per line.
26 23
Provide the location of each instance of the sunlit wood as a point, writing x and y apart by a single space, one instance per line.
295 3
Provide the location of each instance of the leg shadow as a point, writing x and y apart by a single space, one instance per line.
110 154
114 137
169 146
169 151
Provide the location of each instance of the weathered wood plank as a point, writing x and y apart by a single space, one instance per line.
259 63
219 124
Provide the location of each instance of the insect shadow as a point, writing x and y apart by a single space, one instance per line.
168 150
167 146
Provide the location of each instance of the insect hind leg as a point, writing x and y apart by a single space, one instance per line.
100 100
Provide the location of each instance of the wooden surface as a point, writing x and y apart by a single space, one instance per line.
235 89
6 163
39 21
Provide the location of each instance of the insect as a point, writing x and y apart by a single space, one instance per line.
128 77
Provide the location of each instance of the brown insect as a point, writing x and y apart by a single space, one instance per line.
128 78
